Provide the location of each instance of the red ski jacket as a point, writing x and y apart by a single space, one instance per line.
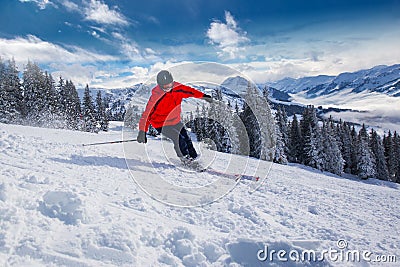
164 108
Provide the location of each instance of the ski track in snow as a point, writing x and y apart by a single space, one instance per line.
62 204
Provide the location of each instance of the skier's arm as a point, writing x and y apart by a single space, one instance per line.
144 121
187 91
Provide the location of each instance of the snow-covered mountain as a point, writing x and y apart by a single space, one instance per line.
381 79
369 96
237 84
291 85
62 204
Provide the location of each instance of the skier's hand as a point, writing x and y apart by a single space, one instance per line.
207 98
141 138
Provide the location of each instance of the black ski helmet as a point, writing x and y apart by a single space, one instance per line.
164 77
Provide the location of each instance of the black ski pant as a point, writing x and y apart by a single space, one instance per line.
182 143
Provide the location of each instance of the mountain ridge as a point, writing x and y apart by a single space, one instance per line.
381 79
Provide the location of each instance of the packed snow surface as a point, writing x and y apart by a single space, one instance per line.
62 204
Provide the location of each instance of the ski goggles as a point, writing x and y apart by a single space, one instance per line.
167 87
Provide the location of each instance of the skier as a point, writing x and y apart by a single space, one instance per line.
163 112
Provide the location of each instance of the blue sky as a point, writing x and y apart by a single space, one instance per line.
117 43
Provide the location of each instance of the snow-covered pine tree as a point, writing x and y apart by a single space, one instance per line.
34 98
309 129
221 126
313 149
101 115
74 106
236 108
376 145
70 105
282 122
345 145
332 157
200 123
190 123
15 92
354 149
363 133
266 93
89 113
3 92
215 131
62 98
396 143
205 124
295 146
365 159
10 93
240 128
252 129
280 148
195 124
50 115
107 100
259 123
132 117
390 155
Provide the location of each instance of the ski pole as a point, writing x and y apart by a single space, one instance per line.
112 142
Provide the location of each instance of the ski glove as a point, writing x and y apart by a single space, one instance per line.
207 98
141 138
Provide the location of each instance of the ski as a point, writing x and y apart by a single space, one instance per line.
197 167
237 177
193 165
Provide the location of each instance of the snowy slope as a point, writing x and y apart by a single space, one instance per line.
62 204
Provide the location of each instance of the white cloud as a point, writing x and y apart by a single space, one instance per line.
112 79
153 19
150 51
106 77
99 12
73 63
35 49
70 6
41 3
314 51
132 51
99 29
79 65
96 11
79 74
95 34
328 49
127 47
227 36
